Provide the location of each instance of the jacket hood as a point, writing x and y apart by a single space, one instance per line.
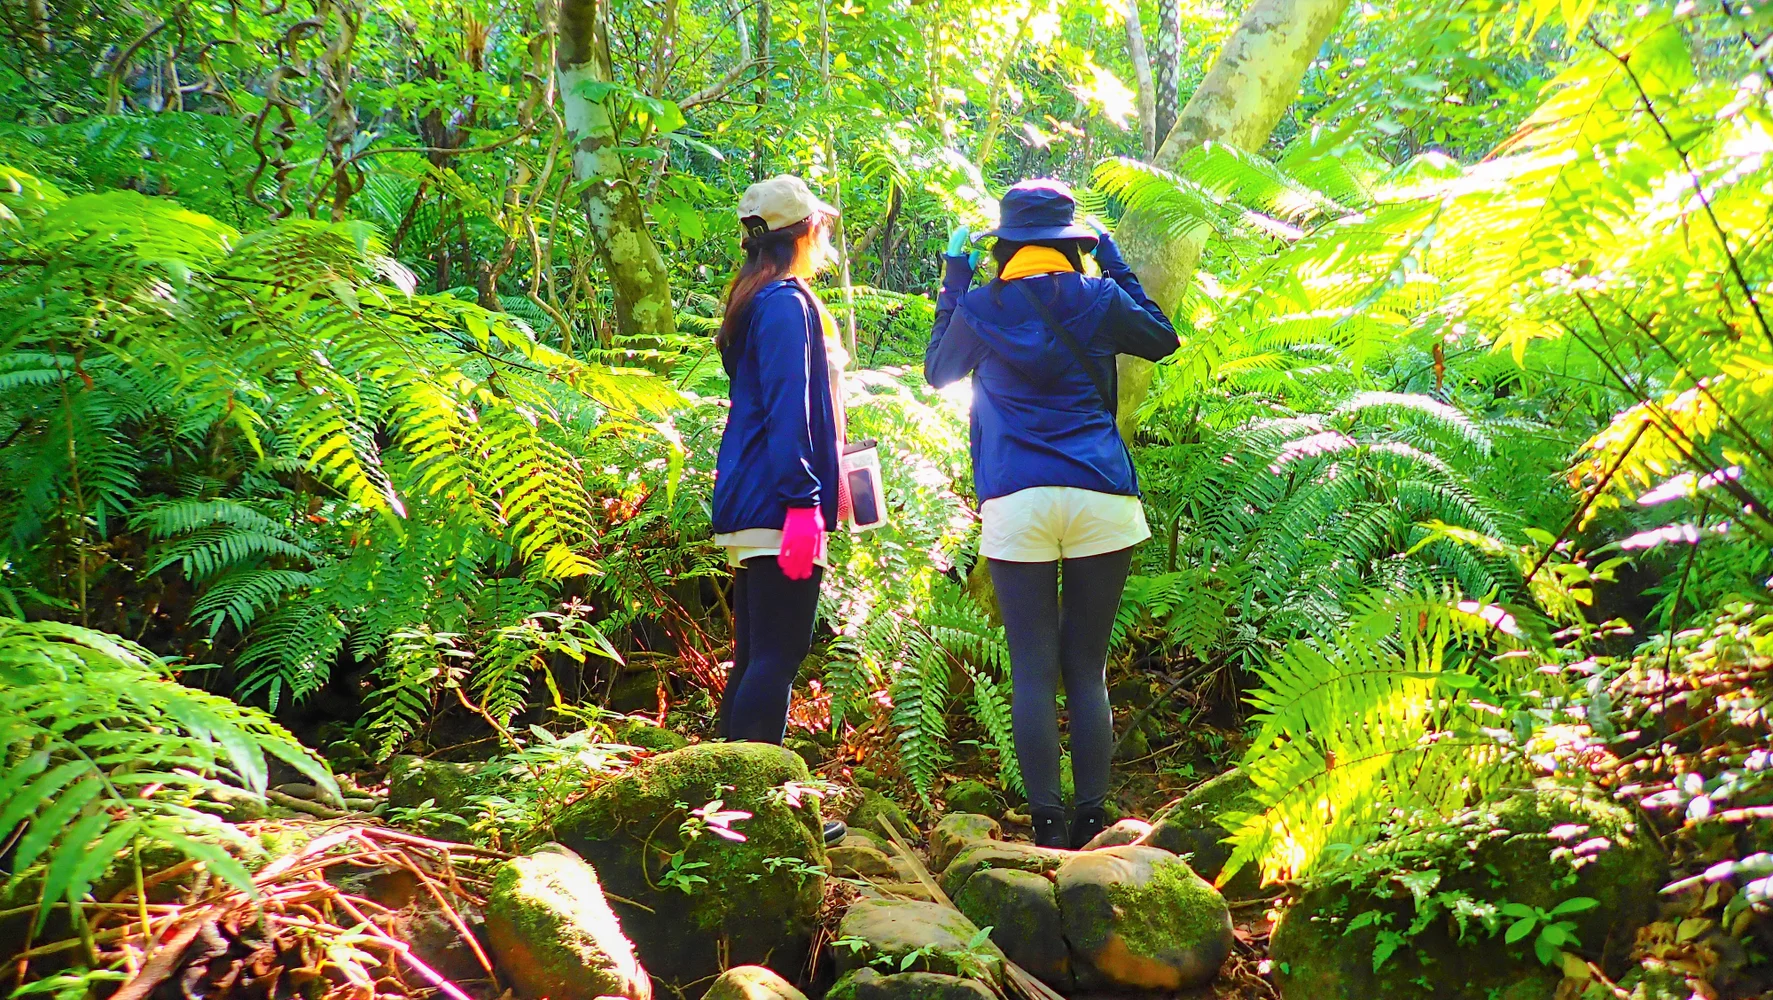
1002 317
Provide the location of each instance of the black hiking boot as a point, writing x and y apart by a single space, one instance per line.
835 830
1049 827
1085 825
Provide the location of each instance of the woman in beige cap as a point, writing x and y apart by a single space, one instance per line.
776 486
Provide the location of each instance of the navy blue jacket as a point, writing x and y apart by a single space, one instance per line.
779 449
1037 418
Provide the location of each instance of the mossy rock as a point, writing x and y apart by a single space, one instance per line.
1023 915
889 931
553 934
1000 854
634 691
807 750
1540 847
884 889
973 797
873 806
647 736
413 780
860 859
868 984
956 831
753 908
752 982
858 837
1140 918
1189 827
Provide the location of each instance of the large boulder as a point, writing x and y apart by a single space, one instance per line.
752 982
1189 826
706 902
889 931
552 932
868 984
1540 848
1140 918
1000 854
1023 915
956 831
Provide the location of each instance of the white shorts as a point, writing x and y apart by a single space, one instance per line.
1048 523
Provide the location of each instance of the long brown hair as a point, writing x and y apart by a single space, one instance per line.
769 256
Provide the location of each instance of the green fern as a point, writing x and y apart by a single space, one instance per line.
108 751
1388 717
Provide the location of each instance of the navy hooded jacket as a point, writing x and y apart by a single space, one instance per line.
779 449
1038 419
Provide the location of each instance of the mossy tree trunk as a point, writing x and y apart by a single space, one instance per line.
625 247
1249 87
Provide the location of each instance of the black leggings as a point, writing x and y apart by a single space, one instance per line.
1050 639
772 631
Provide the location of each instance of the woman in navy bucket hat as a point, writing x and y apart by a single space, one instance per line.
1056 486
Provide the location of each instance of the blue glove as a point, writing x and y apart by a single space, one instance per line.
957 245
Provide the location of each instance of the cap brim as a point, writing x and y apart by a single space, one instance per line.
1028 234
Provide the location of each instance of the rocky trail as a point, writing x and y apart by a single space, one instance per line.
701 872
967 911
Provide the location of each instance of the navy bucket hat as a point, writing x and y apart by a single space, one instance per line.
1040 210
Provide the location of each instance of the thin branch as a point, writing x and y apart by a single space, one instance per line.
1748 293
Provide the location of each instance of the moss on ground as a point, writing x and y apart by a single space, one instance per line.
1540 847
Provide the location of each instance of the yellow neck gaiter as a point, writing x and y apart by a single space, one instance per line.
1030 261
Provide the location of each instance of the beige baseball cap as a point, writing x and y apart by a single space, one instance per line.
781 201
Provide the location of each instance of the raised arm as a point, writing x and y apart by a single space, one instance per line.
1138 326
954 349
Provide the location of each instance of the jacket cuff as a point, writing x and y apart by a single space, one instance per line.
1108 255
959 276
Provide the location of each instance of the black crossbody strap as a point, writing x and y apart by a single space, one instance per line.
1096 378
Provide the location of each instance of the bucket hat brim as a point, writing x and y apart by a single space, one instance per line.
1028 234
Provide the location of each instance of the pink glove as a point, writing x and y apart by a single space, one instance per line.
801 534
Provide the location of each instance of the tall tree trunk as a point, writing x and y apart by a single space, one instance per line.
1166 67
1142 74
1249 87
760 156
625 247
